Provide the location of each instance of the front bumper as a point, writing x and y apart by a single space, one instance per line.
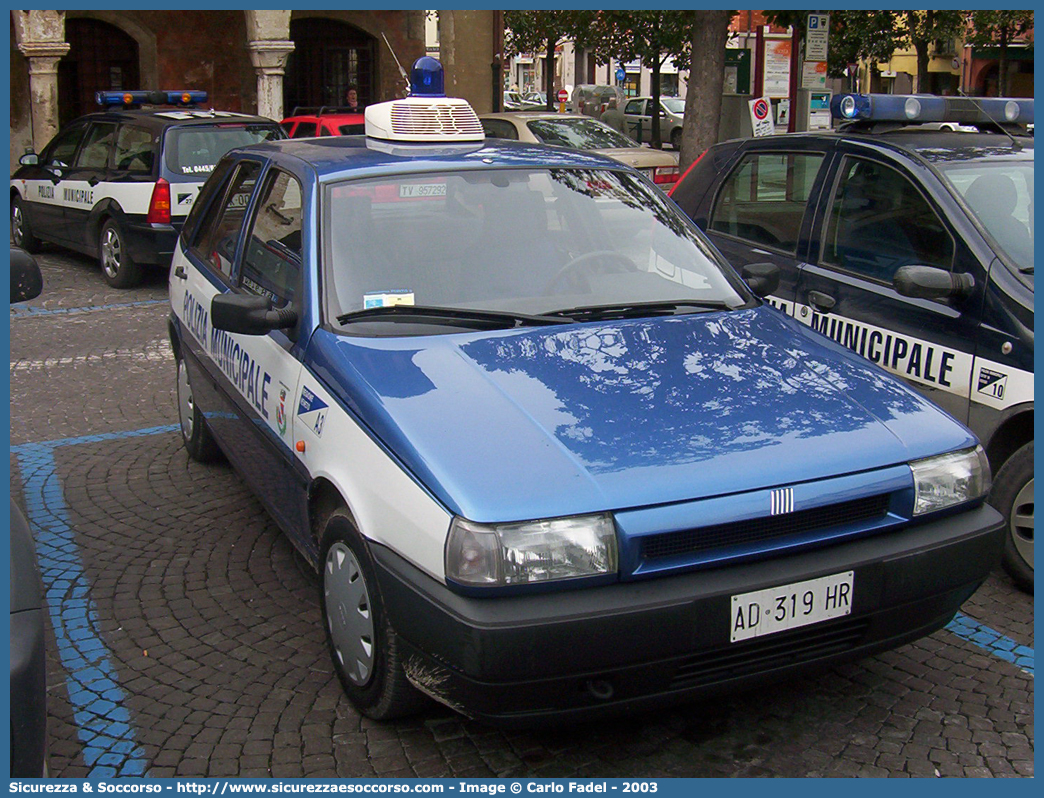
586 653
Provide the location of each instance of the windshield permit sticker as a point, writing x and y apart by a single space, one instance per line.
312 411
385 299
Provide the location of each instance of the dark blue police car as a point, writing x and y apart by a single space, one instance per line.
909 244
549 454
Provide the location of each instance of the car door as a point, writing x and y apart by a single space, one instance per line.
762 212
637 123
43 187
90 167
876 218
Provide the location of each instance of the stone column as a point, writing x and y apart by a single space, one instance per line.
41 39
467 49
269 59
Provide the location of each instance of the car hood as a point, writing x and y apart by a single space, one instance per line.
580 418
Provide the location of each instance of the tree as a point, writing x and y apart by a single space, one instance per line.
921 29
652 36
710 30
998 29
533 31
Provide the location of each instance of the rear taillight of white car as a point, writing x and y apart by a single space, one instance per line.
665 175
159 204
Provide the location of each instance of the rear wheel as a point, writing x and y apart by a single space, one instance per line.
21 232
1012 495
363 645
118 268
199 443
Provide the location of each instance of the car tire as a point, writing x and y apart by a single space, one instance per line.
118 268
21 232
1012 495
676 138
198 440
363 646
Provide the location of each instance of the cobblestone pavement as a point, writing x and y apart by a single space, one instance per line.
187 637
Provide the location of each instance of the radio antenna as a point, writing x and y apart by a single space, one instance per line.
405 77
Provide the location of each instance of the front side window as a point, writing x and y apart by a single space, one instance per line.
518 241
878 222
94 154
218 235
304 130
580 134
62 149
763 200
272 260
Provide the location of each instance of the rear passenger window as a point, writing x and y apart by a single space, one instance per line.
879 221
94 154
134 148
763 201
218 236
272 262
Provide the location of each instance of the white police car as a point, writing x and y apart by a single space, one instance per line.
909 244
549 454
119 183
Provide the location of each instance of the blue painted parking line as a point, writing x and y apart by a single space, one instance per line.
994 642
24 311
103 723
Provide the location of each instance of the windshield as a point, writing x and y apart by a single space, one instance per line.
1000 194
580 134
673 104
520 241
195 149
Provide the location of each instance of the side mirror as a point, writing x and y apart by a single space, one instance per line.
249 314
29 159
26 280
929 282
761 278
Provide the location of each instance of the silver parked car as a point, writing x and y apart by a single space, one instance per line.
638 119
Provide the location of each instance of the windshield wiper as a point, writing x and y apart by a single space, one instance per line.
635 310
455 317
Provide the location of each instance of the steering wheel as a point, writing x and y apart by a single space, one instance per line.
585 260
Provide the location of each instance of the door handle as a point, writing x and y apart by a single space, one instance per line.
179 272
824 303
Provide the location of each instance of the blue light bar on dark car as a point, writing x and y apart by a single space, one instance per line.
929 108
123 98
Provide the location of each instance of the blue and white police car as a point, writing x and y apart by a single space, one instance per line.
118 184
549 454
907 236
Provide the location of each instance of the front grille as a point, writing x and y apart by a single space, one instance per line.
760 530
773 652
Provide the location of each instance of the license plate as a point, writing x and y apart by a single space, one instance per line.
412 190
765 612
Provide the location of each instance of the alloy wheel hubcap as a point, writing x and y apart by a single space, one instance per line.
1021 525
17 226
348 613
111 250
185 404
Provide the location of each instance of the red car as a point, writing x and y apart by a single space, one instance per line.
325 121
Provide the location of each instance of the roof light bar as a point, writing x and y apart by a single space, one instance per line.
427 115
929 108
181 97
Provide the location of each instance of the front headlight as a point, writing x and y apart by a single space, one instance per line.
949 479
495 555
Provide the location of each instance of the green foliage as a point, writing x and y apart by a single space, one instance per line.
530 31
989 28
648 35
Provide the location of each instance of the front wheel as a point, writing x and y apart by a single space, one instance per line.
118 268
1012 495
195 434
363 645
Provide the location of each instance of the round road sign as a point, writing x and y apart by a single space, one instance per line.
563 95
761 110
